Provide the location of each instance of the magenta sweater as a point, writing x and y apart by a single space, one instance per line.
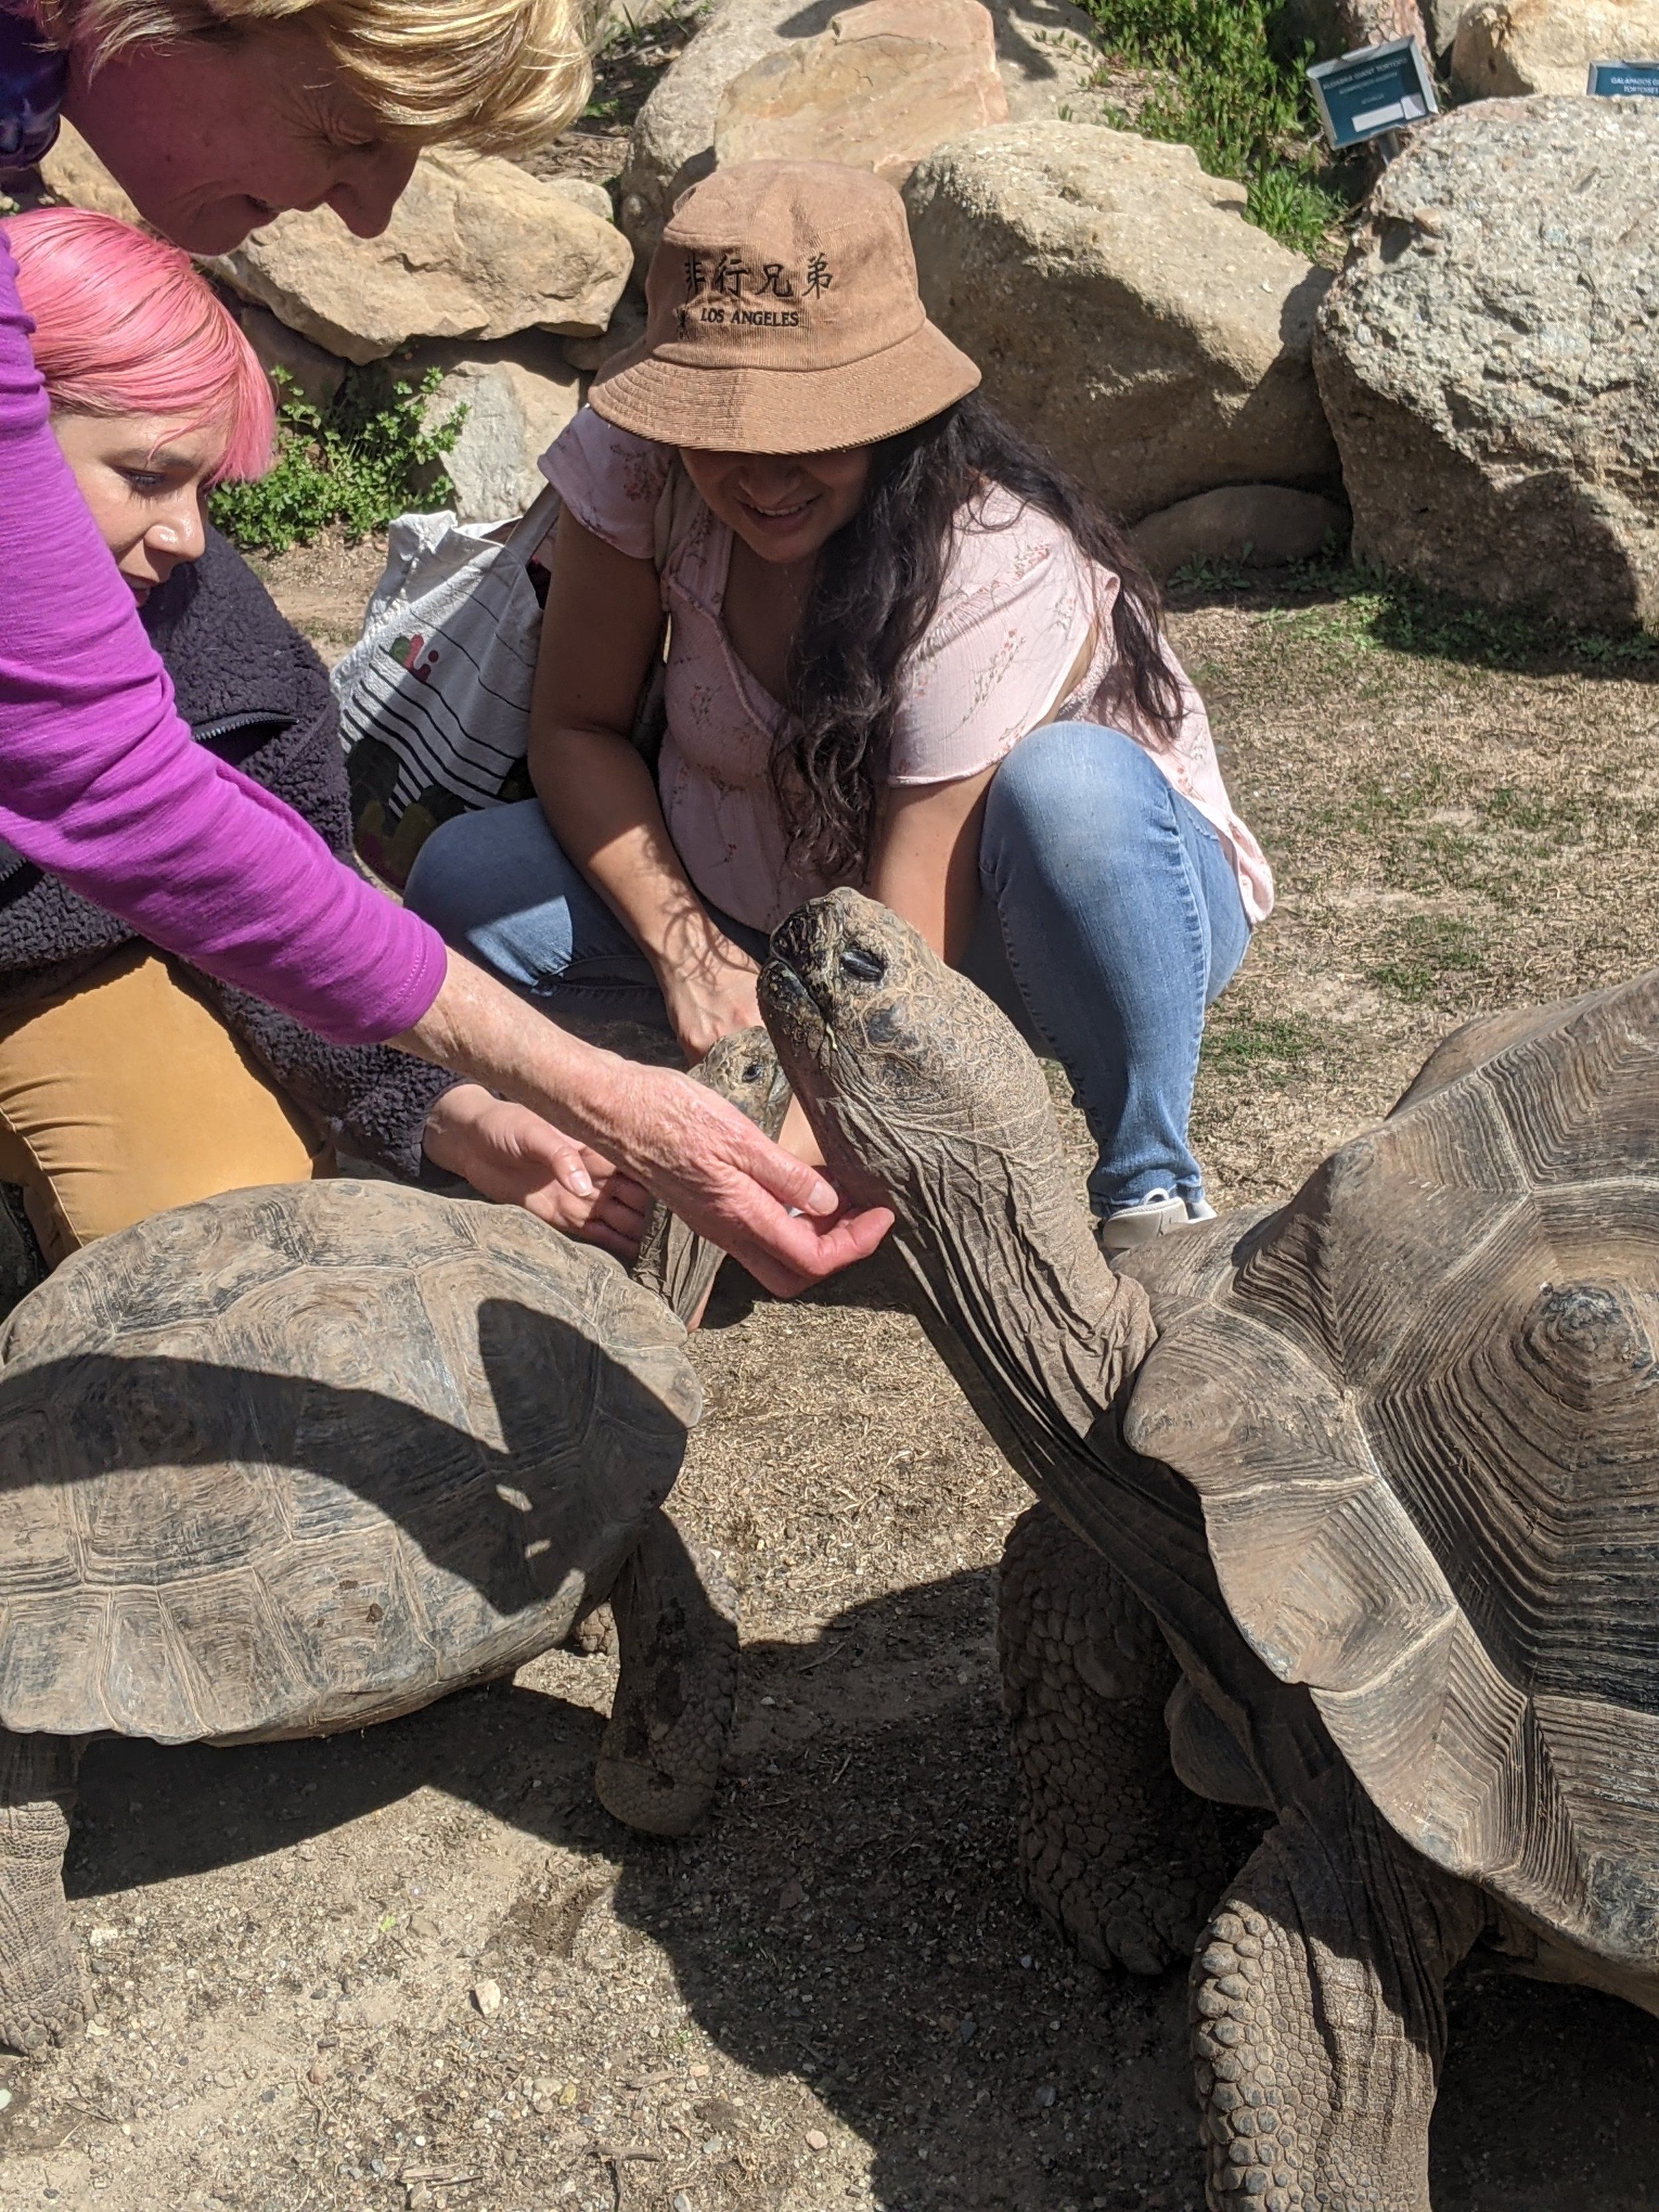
101 783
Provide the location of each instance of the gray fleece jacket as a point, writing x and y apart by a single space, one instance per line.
253 690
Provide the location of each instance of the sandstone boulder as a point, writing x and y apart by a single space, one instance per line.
519 394
314 375
587 192
72 172
1046 51
1337 27
1258 525
1122 310
885 84
1508 47
477 248
627 328
1442 18
675 128
1488 360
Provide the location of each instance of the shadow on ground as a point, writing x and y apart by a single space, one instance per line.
850 1917
1331 600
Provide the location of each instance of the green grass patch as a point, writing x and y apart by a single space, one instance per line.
1272 1047
1557 815
1209 572
1226 81
1427 948
371 456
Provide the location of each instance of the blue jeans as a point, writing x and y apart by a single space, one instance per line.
1111 918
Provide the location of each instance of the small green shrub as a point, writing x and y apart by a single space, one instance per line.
1224 81
370 457
1292 206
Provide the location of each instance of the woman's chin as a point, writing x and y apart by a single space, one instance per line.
219 227
783 547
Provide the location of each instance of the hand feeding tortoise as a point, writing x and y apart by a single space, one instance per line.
296 1460
1381 1465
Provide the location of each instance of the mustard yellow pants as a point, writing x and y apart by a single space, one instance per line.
124 1094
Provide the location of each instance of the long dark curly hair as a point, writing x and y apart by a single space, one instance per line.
876 589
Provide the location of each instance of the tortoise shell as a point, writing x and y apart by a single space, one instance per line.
295 1458
1420 1407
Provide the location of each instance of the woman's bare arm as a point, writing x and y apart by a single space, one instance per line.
598 637
926 864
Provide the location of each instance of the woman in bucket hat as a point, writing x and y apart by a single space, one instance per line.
905 651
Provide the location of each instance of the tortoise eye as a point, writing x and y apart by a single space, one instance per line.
753 1073
868 967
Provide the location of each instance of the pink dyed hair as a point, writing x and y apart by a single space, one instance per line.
124 324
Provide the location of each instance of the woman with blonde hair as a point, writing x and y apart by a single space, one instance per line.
214 119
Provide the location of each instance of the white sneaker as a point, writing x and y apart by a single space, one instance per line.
1155 1215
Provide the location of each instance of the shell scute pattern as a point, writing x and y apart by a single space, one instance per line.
336 1455
1422 1414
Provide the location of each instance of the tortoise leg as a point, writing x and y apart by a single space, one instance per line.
1112 1848
43 1989
1319 2017
676 1635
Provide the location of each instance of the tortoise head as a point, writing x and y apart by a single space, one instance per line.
922 1092
745 1068
926 1098
673 1260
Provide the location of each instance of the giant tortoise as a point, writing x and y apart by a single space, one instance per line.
295 1460
1382 1466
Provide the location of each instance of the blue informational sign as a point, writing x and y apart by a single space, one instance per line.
1377 89
1624 80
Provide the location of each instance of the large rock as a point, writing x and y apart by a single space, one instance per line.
1122 310
1505 48
627 328
1337 27
72 172
883 85
675 128
519 395
1046 55
477 248
1257 525
312 374
1490 360
1442 18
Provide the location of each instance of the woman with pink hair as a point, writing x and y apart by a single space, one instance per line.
132 1080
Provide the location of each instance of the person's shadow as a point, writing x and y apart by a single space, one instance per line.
850 1914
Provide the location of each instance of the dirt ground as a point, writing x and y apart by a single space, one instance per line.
421 1967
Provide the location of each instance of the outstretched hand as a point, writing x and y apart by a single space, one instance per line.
512 1156
683 1143
732 1184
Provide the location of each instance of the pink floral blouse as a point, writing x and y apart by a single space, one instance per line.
1019 604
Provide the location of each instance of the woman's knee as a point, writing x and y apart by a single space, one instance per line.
475 869
1074 787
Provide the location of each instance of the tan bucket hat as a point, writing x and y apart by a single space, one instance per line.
783 317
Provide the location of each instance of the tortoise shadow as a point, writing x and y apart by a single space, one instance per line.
850 1916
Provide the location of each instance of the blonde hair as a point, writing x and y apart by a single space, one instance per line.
502 76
